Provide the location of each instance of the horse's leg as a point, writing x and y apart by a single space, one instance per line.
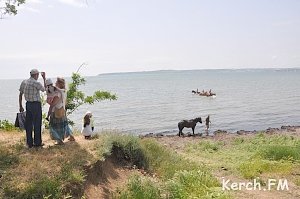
193 129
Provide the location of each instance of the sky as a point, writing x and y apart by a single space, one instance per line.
57 36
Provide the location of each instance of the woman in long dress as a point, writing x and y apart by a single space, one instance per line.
59 128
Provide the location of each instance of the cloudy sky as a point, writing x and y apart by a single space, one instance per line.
56 36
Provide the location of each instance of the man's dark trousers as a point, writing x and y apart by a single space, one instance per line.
33 120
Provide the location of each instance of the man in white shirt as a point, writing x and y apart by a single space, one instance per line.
31 89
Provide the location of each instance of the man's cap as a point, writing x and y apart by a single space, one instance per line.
48 82
88 113
34 71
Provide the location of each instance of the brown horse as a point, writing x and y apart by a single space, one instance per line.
188 124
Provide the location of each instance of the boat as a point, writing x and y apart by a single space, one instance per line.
207 94
204 93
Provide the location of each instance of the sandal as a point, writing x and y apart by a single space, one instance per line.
71 138
59 143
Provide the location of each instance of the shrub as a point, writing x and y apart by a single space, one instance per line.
7 126
126 149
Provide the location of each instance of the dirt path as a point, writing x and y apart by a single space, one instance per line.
104 178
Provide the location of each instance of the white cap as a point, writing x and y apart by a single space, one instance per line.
88 113
48 82
34 71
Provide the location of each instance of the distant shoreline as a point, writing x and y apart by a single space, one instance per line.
204 69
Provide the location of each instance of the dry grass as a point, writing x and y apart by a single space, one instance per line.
61 165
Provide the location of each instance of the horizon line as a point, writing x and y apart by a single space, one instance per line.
203 69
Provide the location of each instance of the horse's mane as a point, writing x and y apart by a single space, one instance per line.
198 119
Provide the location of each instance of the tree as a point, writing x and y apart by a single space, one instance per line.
76 98
9 7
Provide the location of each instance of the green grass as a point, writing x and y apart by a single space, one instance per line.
165 162
254 168
140 188
177 176
126 149
249 157
194 184
58 172
279 152
43 188
7 126
206 146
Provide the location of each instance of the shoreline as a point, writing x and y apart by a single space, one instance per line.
270 130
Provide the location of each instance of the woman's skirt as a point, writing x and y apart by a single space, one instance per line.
59 128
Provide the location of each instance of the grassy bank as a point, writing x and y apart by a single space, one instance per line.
117 166
66 171
169 175
256 156
243 158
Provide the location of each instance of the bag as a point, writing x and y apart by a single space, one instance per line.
20 120
59 113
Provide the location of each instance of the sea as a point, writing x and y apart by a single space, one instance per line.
154 102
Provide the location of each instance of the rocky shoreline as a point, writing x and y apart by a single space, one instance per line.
269 130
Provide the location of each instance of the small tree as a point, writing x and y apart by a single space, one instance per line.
9 7
76 98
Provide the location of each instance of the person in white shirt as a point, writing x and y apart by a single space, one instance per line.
88 125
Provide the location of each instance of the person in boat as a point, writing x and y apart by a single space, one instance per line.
209 92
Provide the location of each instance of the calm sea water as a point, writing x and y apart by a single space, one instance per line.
156 101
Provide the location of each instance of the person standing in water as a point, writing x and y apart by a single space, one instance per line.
207 121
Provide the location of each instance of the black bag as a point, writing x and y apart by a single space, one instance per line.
20 120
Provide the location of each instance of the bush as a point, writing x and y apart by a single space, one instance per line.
125 149
7 126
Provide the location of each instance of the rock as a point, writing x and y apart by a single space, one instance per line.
159 135
272 130
220 132
224 169
243 132
290 128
